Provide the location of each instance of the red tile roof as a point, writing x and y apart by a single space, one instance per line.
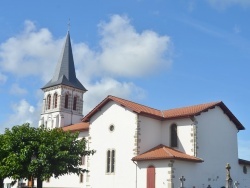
83 126
183 112
244 162
162 152
189 110
138 108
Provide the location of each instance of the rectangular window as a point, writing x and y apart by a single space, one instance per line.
82 162
110 161
81 178
113 161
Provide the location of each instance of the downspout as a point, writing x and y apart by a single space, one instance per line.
135 173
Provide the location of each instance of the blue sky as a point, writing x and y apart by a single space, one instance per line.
161 53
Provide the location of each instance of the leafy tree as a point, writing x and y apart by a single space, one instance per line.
42 153
3 154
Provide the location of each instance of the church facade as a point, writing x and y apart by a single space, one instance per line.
142 147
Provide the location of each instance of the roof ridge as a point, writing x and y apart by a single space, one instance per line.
188 106
164 148
134 102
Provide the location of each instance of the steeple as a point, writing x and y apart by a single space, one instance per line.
63 94
65 69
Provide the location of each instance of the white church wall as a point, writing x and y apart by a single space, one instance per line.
217 142
184 132
162 173
242 177
150 133
121 140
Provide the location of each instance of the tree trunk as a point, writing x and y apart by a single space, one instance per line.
1 183
39 183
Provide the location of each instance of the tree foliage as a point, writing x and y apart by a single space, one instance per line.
41 153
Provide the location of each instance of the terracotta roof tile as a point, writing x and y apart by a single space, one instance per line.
189 110
83 126
244 162
162 152
183 112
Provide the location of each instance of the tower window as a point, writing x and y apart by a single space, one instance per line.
75 102
48 101
174 136
55 100
110 161
66 103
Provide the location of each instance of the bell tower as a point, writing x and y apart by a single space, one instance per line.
63 94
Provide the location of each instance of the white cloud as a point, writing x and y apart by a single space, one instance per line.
17 90
221 4
23 112
122 52
108 86
32 52
3 78
126 52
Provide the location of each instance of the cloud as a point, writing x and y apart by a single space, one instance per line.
126 52
33 50
222 4
3 78
109 86
23 112
17 90
122 52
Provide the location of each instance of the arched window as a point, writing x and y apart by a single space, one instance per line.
55 100
48 101
75 102
174 136
66 102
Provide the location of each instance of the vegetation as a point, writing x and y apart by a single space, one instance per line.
27 152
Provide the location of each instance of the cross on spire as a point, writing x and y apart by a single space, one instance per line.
69 25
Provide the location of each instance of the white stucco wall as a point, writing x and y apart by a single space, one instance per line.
150 133
122 140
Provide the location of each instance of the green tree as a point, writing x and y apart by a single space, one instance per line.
42 153
3 154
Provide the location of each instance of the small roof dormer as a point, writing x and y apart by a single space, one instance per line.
65 69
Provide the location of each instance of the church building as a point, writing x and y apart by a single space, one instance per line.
142 147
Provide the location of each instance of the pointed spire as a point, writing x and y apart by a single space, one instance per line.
65 69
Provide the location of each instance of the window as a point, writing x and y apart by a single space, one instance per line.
82 162
244 169
81 178
75 102
48 101
173 135
111 128
66 102
55 100
110 161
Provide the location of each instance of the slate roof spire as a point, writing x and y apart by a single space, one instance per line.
65 69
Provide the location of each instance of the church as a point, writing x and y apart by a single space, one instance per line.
142 147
